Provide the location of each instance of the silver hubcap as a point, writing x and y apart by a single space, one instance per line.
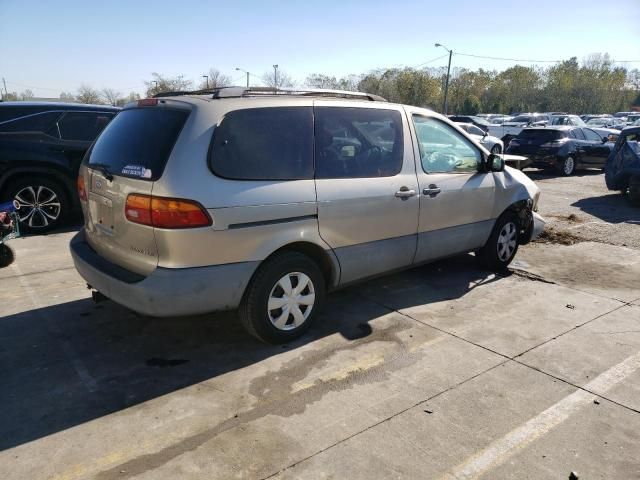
291 301
568 166
39 206
507 241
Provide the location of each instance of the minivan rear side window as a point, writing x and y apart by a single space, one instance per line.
271 143
138 142
357 142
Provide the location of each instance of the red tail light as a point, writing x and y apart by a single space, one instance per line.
82 191
162 212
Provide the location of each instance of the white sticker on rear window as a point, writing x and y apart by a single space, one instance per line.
136 171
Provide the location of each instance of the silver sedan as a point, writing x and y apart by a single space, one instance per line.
493 144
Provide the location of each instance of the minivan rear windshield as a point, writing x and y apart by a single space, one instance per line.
545 135
138 142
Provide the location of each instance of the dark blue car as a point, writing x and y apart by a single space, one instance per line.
622 172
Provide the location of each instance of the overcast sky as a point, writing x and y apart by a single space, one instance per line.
55 46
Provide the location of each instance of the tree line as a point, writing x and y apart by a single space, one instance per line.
594 85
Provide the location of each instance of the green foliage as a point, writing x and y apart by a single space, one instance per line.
595 85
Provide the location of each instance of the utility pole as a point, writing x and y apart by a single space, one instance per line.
446 84
207 77
6 93
275 75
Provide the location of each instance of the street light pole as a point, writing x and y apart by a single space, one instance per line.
207 77
245 71
446 84
275 76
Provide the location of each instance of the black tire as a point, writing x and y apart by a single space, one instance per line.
49 214
493 256
254 313
633 192
6 255
567 166
496 148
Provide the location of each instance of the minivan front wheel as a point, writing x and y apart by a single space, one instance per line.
503 243
283 298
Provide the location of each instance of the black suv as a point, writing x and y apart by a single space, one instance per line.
562 147
41 147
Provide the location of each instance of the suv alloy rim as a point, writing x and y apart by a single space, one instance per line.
568 166
507 241
291 301
39 206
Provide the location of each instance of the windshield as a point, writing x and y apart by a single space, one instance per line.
598 121
521 119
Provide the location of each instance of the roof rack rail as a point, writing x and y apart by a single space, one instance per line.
240 92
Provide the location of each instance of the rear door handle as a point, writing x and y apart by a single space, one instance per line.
404 192
432 191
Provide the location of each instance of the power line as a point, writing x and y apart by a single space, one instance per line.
528 60
432 60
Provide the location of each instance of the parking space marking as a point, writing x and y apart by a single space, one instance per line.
517 439
81 370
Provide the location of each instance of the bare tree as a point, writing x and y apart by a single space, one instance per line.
283 80
86 94
67 97
215 79
26 95
161 83
111 96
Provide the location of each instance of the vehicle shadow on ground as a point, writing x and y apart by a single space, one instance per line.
543 174
612 208
70 363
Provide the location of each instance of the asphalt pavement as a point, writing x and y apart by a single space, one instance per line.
444 371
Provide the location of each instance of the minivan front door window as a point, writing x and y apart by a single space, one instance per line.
443 149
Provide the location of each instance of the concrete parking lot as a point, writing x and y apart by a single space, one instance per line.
444 371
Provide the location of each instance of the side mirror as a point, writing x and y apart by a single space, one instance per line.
495 163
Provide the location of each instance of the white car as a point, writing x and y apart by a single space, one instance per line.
512 128
493 144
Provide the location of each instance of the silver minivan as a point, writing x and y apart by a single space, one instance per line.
265 200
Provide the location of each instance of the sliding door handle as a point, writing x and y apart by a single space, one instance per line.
432 191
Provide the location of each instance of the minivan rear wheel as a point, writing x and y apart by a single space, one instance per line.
283 298
503 243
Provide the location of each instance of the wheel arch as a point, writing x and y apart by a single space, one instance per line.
325 258
17 174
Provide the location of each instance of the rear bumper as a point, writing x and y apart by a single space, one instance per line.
165 292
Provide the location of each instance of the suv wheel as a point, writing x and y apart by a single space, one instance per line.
503 243
283 298
496 149
43 204
567 166
633 193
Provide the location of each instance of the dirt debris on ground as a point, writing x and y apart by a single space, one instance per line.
556 235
